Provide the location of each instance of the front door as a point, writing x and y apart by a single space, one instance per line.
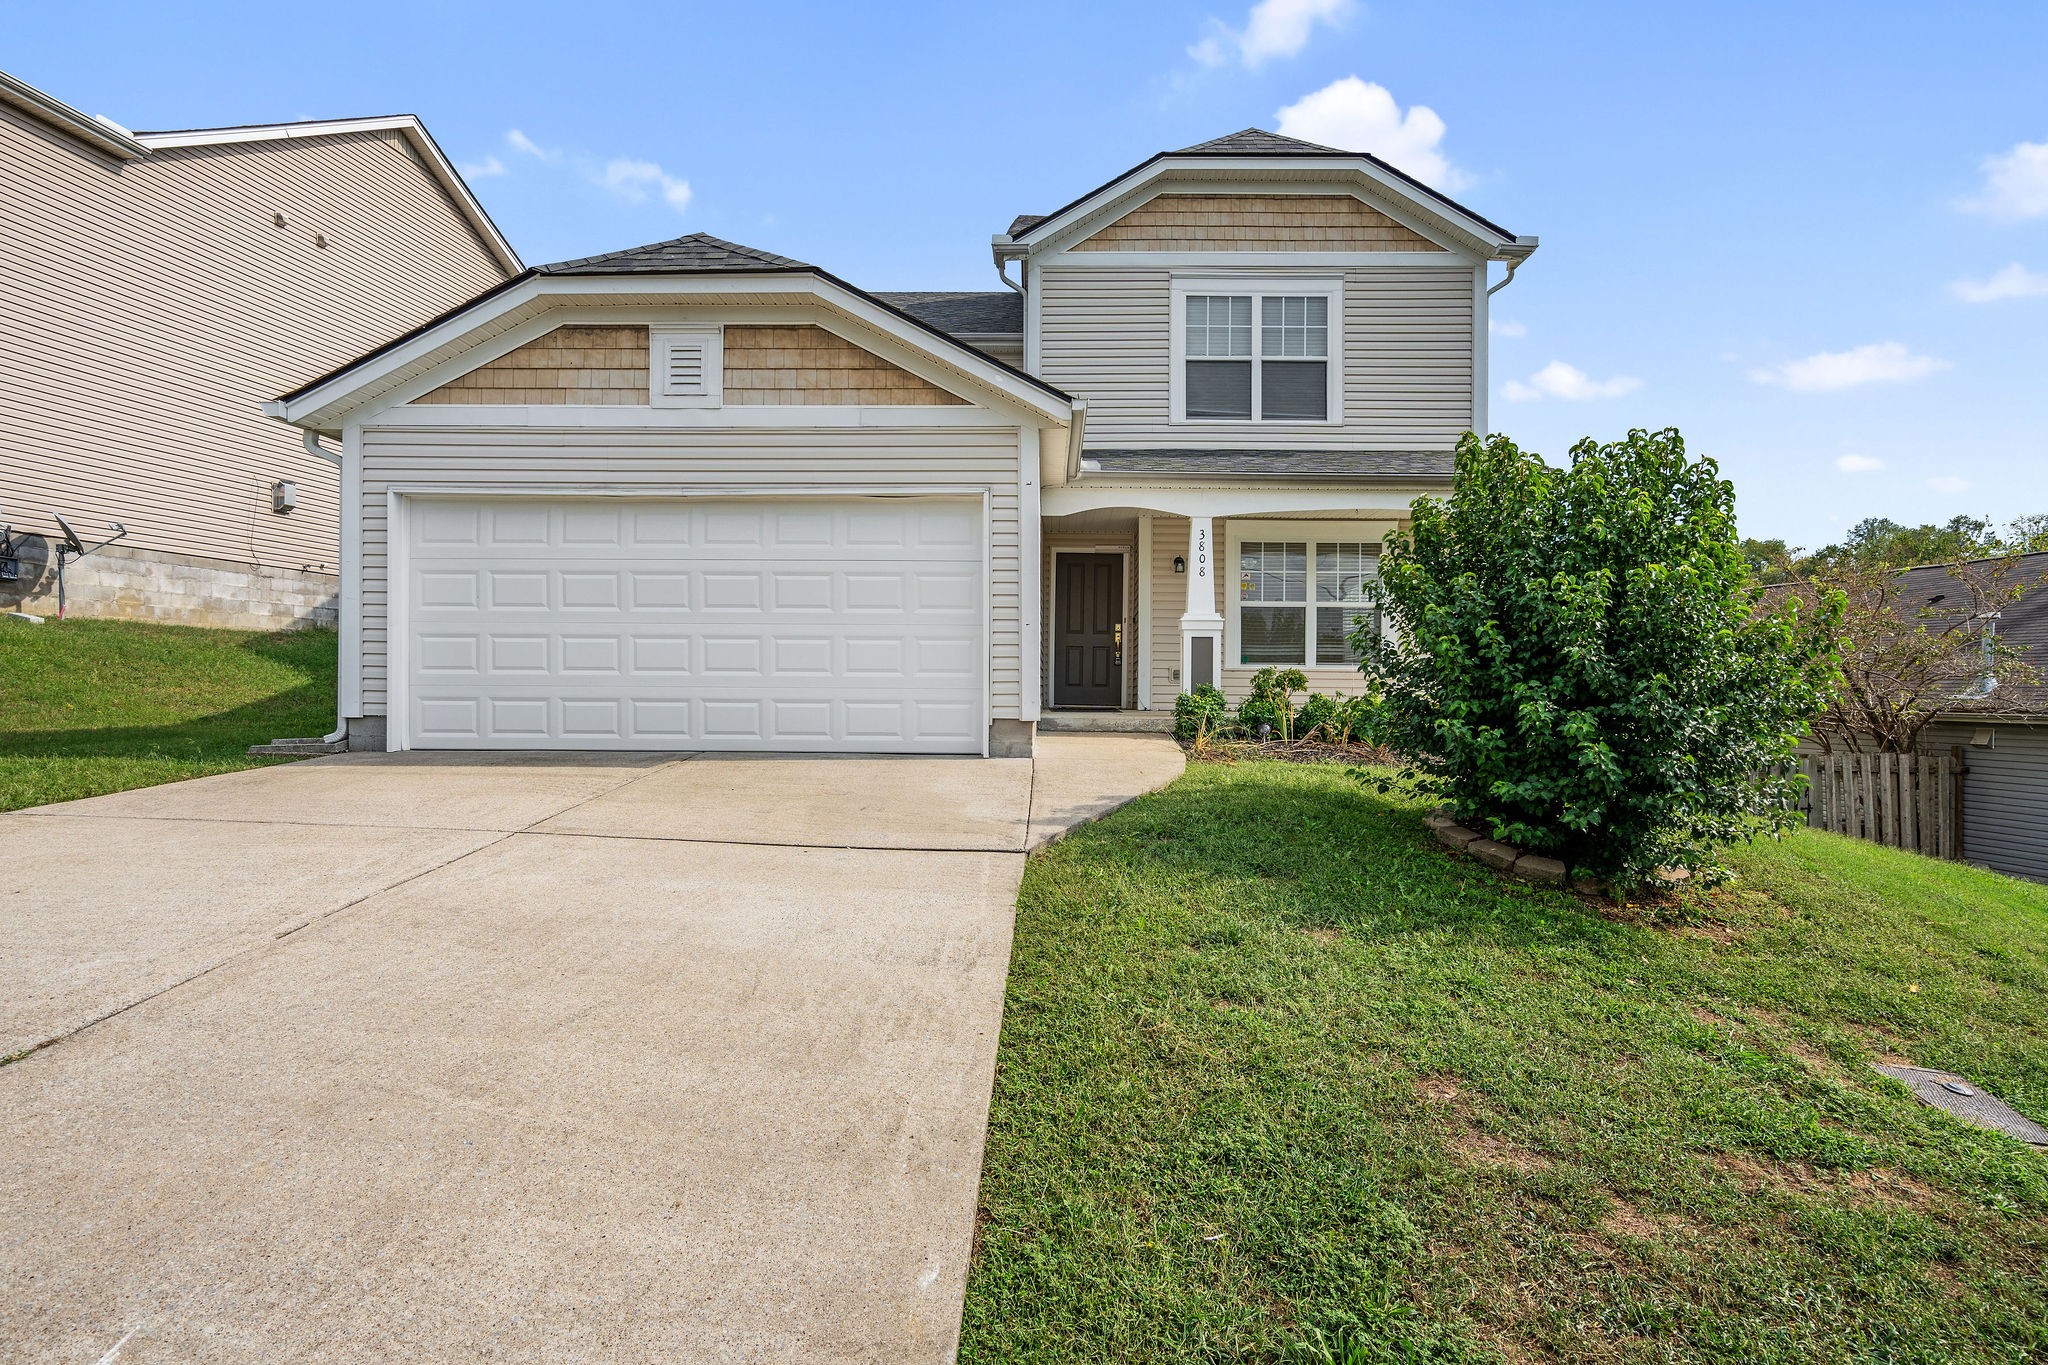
1088 630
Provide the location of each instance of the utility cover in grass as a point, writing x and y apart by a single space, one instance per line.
1947 1091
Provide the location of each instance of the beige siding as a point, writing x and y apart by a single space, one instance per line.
596 365
1170 599
772 365
1408 357
767 459
1162 613
147 308
1255 222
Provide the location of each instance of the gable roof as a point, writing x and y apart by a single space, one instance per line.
1257 142
695 256
994 312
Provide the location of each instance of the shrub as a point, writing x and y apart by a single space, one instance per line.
1323 717
1579 665
1270 701
1199 715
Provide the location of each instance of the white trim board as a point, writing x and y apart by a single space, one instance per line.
1259 287
1237 530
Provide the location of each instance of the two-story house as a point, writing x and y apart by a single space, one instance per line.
694 495
155 288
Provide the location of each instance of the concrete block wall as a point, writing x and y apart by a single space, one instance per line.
123 584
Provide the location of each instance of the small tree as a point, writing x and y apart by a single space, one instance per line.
1580 666
1914 645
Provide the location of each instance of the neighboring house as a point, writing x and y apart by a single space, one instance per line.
695 495
155 288
2000 732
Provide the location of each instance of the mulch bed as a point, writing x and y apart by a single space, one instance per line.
1297 751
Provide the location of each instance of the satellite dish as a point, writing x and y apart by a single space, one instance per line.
71 540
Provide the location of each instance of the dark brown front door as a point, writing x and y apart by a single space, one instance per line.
1087 631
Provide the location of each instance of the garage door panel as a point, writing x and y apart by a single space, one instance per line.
803 625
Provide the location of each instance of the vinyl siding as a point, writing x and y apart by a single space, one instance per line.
1408 357
1170 599
2005 795
148 307
660 461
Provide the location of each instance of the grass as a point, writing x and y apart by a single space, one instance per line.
1281 1080
89 706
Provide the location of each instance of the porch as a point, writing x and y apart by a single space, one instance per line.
1142 603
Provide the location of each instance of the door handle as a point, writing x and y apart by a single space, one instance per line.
1119 644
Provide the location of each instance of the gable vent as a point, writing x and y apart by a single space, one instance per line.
688 369
685 369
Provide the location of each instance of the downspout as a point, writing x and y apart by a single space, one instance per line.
1077 432
1514 264
1522 250
311 441
1003 274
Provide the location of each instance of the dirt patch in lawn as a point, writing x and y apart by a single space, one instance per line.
1878 1184
1325 935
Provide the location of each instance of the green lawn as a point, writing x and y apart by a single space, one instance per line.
1282 1080
100 706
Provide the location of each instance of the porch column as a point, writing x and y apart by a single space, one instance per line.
1201 626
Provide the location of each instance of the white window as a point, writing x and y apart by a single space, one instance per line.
1298 595
1264 351
687 369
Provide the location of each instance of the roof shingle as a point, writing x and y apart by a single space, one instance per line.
1284 464
1255 140
995 312
698 253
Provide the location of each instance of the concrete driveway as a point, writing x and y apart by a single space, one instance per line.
444 1057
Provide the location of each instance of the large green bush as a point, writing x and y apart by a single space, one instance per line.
1579 664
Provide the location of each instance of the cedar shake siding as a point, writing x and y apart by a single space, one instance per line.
594 365
1256 222
806 364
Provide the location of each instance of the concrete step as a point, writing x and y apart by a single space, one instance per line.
297 748
1105 722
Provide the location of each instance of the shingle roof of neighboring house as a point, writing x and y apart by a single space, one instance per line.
1259 142
996 312
1284 464
698 253
2023 623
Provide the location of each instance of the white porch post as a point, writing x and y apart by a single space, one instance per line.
1201 626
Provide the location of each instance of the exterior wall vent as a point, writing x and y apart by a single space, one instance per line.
689 369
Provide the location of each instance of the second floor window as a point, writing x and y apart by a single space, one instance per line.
1275 371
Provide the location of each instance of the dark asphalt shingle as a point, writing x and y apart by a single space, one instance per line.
1285 464
1255 140
697 253
995 312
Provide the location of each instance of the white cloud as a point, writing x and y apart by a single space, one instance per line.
520 142
478 170
1274 28
2013 282
1559 380
633 180
1885 362
1948 483
1356 116
1857 464
1502 328
2015 184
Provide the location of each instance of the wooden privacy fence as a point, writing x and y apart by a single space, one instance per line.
1909 801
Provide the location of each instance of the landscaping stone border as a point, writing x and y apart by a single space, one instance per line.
1530 867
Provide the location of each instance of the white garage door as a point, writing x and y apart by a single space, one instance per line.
790 623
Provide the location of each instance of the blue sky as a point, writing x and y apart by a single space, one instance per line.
1813 237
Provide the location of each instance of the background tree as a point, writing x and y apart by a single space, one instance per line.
1580 664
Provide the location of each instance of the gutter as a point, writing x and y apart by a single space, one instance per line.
103 134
